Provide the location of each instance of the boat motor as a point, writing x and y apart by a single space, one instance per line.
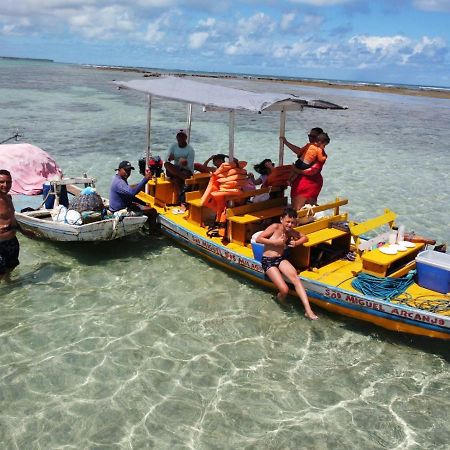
155 166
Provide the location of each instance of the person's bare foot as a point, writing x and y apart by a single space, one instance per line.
282 299
311 316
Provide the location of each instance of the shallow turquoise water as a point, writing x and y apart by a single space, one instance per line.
139 344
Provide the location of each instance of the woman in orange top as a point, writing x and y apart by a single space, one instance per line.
308 183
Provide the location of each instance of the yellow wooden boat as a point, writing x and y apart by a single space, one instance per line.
344 268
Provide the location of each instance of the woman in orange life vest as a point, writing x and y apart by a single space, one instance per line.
308 183
301 151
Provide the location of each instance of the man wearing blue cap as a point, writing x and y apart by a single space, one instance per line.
121 195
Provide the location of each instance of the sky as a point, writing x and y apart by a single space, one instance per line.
387 41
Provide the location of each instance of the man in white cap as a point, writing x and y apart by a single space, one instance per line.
182 154
121 195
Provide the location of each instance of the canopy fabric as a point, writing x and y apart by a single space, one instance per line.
219 98
29 166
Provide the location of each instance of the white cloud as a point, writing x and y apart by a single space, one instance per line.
312 20
197 40
397 50
14 27
286 21
155 30
207 23
101 23
256 24
433 5
246 46
381 46
429 50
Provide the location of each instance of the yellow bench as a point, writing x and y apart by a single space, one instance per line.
198 179
334 205
160 191
320 232
240 217
357 230
377 263
198 213
380 264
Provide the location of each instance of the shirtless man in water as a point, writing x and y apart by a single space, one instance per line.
276 239
9 245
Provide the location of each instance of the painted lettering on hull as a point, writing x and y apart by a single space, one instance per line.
378 306
219 251
340 296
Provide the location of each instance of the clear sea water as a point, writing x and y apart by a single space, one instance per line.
139 344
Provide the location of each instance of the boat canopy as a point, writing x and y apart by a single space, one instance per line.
213 97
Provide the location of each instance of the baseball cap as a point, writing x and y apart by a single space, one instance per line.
125 165
182 131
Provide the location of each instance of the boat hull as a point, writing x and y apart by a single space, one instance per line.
103 230
380 312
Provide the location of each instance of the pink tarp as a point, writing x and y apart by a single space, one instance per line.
30 167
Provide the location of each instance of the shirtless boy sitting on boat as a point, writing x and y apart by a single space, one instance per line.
9 245
276 239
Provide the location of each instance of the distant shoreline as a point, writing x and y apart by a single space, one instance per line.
419 92
16 58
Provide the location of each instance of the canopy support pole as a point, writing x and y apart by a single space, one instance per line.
231 136
189 122
148 151
282 133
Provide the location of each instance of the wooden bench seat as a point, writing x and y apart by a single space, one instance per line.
320 232
198 213
380 264
161 190
201 179
241 217
358 230
325 235
334 205
256 216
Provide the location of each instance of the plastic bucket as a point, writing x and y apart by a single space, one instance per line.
258 249
50 201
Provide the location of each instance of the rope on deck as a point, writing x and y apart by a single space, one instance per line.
431 303
385 288
393 289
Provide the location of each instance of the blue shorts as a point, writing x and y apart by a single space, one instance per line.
9 254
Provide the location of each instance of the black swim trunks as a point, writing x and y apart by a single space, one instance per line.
9 254
271 261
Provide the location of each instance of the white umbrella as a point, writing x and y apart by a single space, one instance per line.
30 167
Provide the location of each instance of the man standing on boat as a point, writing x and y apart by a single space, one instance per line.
121 195
9 245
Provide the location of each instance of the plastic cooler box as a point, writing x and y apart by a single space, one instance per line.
258 249
433 271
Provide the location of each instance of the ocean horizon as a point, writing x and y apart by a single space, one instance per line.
331 81
243 75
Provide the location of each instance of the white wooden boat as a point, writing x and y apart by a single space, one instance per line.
40 224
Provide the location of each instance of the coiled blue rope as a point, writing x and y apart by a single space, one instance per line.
386 288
